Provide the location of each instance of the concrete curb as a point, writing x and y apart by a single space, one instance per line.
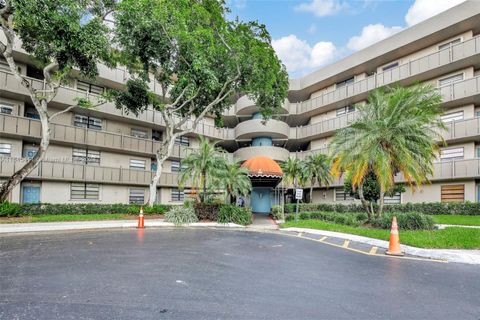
107 224
443 226
462 256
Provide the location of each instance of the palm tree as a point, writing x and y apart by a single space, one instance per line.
235 180
203 166
394 133
316 167
293 173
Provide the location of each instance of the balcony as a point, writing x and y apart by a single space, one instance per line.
452 57
66 96
62 171
246 106
255 128
26 127
276 153
466 91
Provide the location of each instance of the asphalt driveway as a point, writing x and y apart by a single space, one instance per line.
220 274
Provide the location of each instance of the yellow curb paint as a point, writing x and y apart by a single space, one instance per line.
367 253
373 250
346 243
323 238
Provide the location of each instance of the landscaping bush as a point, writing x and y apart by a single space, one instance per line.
16 210
277 212
405 221
430 208
234 214
181 215
207 211
350 219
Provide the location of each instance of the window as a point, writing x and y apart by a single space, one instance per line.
90 88
176 166
345 82
453 193
395 199
31 113
156 135
139 133
85 156
177 195
87 122
345 110
341 195
137 196
451 154
454 116
183 141
478 152
6 108
33 72
449 44
5 150
450 80
84 191
390 66
137 164
29 151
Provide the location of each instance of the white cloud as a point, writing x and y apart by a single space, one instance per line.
371 34
321 8
424 9
299 57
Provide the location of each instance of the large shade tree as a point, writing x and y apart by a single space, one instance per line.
60 35
201 61
396 133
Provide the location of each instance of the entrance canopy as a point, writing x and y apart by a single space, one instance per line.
263 171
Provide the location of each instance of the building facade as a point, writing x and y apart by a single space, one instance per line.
107 156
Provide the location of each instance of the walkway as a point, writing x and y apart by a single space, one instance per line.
263 222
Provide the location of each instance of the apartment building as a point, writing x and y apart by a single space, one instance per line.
107 156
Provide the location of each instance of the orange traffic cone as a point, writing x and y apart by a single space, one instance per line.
141 219
394 245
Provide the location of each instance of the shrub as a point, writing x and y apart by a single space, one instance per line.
406 221
15 210
181 215
431 208
206 211
277 212
233 214
8 209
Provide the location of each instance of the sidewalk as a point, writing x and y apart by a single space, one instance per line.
102 224
451 255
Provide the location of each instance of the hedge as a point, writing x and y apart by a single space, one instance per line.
430 208
16 210
406 220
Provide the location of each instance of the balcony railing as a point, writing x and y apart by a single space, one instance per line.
67 96
27 127
415 67
64 171
455 91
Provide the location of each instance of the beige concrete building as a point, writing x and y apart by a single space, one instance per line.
106 155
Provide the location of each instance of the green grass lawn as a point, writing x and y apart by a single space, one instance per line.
449 238
66 217
459 220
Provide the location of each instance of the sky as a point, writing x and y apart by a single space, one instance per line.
308 34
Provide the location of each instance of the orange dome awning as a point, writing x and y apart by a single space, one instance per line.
263 167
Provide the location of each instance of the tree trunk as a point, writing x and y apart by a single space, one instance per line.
311 191
163 154
204 186
381 202
365 202
19 175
